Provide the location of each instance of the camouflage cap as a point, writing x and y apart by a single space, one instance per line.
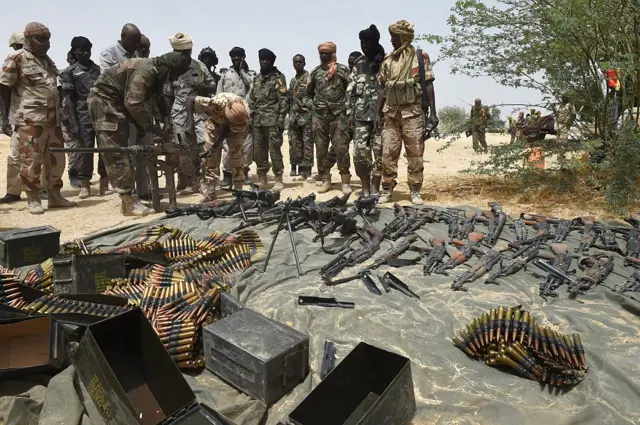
16 38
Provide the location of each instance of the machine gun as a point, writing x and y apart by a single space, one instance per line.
588 234
156 168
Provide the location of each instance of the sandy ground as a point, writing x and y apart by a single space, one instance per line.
101 212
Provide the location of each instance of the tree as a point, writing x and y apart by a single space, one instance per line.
496 124
453 119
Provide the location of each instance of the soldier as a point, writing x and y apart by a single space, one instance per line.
210 60
13 163
196 80
267 102
144 49
353 56
130 40
228 120
70 138
77 81
121 95
520 123
300 139
327 89
478 121
362 110
28 82
237 80
512 129
565 115
403 116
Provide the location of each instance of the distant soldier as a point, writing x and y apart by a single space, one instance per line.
362 110
228 119
196 80
210 60
13 163
300 138
565 115
144 49
327 89
119 98
237 80
512 129
268 105
29 84
130 39
520 123
77 81
400 101
478 121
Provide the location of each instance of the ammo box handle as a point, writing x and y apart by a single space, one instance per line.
27 231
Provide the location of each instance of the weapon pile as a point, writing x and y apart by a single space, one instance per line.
511 338
177 296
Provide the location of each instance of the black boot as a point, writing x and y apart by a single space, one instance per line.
247 180
294 170
226 180
9 198
74 181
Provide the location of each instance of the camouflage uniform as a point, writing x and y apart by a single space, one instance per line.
180 90
78 80
362 102
403 117
35 107
478 121
268 102
132 80
217 122
300 139
329 119
564 118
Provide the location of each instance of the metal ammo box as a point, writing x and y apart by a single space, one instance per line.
370 386
259 356
87 274
132 379
23 247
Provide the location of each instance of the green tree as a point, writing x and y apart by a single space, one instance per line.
496 124
453 119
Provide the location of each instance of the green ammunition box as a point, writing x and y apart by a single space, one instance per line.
23 247
87 274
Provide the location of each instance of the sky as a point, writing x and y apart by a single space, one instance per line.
287 27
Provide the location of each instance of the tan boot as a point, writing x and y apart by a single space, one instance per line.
34 203
416 199
85 189
56 200
278 185
237 185
346 180
366 185
130 206
262 180
325 185
104 186
375 185
387 192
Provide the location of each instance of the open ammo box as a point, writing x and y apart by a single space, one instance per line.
259 356
370 386
132 379
23 247
31 345
87 274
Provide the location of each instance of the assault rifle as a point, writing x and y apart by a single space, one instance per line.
462 255
491 258
435 257
588 234
631 285
561 262
518 263
497 219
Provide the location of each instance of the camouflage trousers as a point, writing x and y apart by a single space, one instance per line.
14 186
396 131
267 142
140 172
39 169
479 139
562 133
211 164
83 162
300 145
188 168
247 151
365 143
331 129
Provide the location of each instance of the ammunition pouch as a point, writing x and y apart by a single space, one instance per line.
403 92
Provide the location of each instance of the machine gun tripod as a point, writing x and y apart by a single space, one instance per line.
284 218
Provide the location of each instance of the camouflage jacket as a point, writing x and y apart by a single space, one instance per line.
268 99
183 87
328 94
214 108
35 99
299 104
362 100
565 114
479 117
128 88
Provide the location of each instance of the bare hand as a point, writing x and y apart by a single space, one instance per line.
433 119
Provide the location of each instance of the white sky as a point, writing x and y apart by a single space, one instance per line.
287 27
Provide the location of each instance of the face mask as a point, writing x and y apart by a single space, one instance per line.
38 45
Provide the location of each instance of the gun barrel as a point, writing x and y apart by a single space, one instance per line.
87 150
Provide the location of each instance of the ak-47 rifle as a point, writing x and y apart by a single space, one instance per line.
451 218
370 239
155 167
607 238
563 228
588 234
468 225
631 285
497 219
595 269
461 256
520 228
436 256
561 262
518 262
490 258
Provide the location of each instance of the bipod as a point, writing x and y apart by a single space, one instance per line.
284 217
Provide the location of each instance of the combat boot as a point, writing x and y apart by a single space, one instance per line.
304 172
226 180
104 185
247 180
278 185
325 184
294 170
182 182
366 185
262 180
237 185
375 185
74 181
346 180
208 192
34 203
85 189
416 199
130 206
56 200
387 192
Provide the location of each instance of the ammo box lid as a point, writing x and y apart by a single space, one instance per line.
247 329
10 235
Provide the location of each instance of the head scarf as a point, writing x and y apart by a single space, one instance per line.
332 65
36 29
181 41
266 54
80 42
16 38
370 34
477 100
237 51
406 33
